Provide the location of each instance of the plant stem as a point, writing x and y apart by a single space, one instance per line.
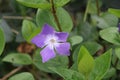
115 66
55 16
14 31
86 77
32 70
11 73
16 17
86 11
70 60
97 6
116 62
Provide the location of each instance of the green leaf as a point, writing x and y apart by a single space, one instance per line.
19 38
67 74
59 3
117 52
110 73
22 76
2 41
18 58
76 40
75 54
92 47
102 65
43 4
87 31
58 61
92 9
111 35
115 58
29 30
45 16
104 20
85 59
118 65
116 12
7 30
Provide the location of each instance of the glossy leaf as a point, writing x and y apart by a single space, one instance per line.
92 9
92 47
29 30
102 65
2 41
116 12
19 38
35 3
45 16
67 74
55 62
110 73
76 40
75 54
85 61
59 3
111 35
87 31
117 52
22 76
18 58
7 30
118 66
43 4
105 20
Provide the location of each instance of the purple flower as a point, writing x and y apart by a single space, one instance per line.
52 42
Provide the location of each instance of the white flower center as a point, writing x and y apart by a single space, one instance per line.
51 41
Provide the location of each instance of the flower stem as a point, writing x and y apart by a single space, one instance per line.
116 62
86 77
86 11
11 73
55 16
97 6
16 17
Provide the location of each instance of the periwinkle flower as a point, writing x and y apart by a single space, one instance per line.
52 42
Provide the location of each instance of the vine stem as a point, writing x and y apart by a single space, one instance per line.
86 11
16 17
97 6
86 77
115 66
116 62
55 16
11 73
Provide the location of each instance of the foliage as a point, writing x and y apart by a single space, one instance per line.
94 37
17 58
22 76
2 41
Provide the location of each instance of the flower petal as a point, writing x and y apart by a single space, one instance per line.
39 40
63 48
47 29
62 36
47 54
